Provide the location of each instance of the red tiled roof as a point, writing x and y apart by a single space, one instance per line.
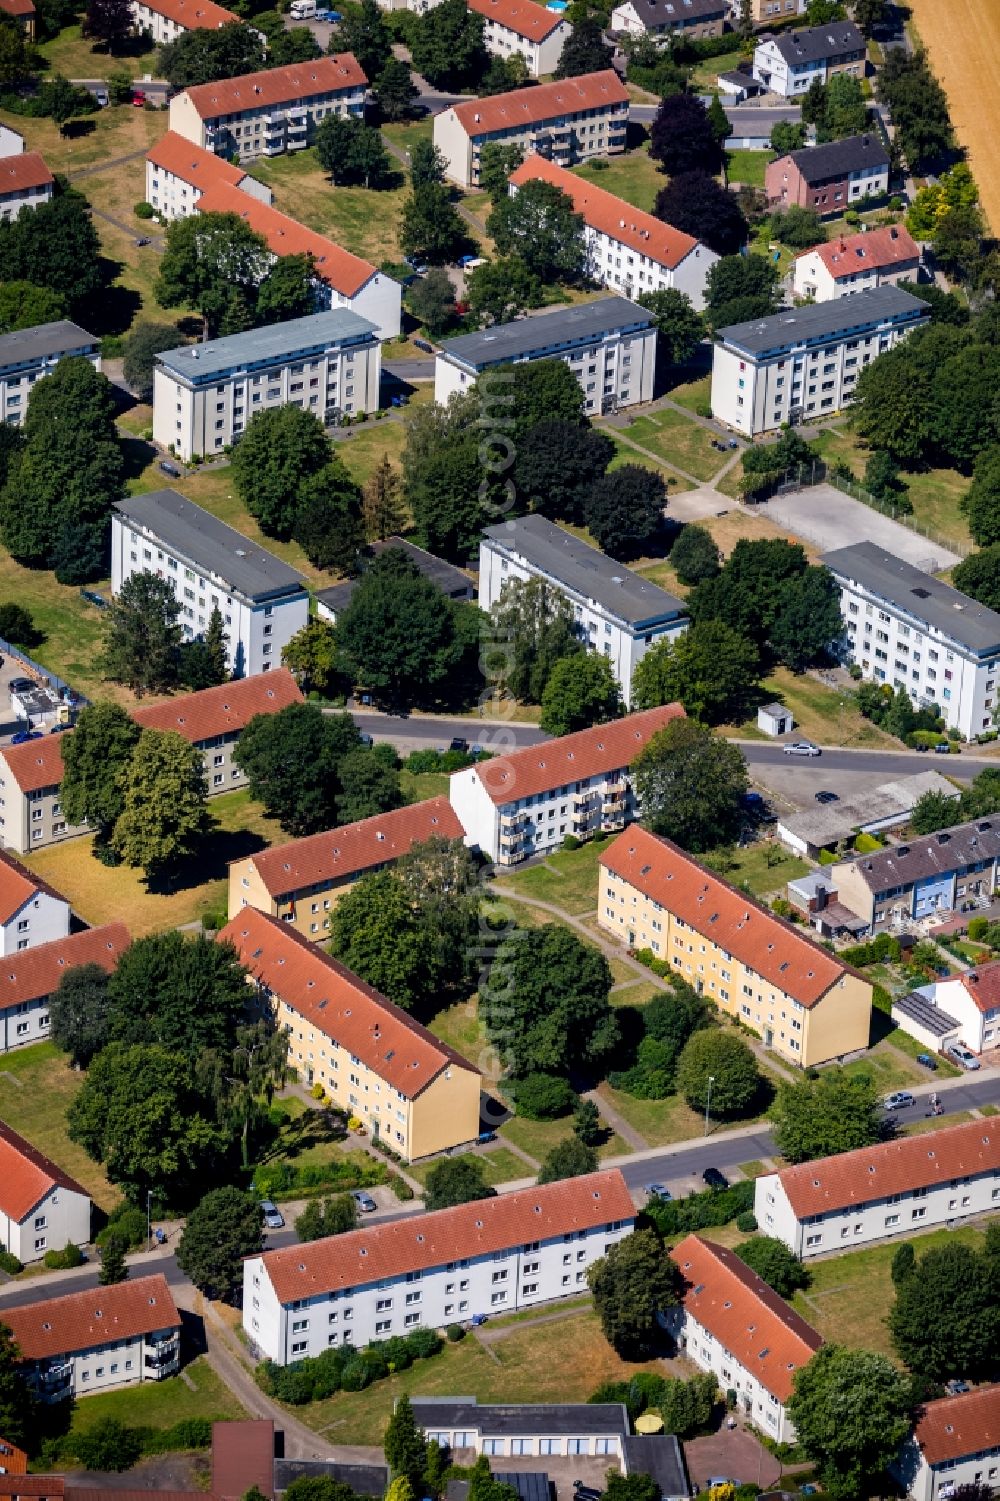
17 173
36 764
983 985
522 16
339 853
194 14
523 107
876 250
224 709
327 995
242 1458
34 973
421 1241
891 1167
784 956
610 215
192 164
954 1427
18 886
571 758
18 7
26 1175
34 1485
345 272
13 1461
323 75
100 1316
759 1329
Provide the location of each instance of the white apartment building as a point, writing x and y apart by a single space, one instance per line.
29 979
178 172
31 815
570 120
729 1322
972 1000
520 28
41 1207
518 1429
29 354
166 20
628 252
205 395
876 1193
910 629
11 141
271 112
98 1340
955 1442
663 19
31 911
790 61
526 802
25 182
427 1270
855 263
805 360
263 602
616 612
610 346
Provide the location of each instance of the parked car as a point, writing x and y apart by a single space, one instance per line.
927 1060
20 685
423 344
659 1191
170 469
366 739
714 1179
585 1492
273 1217
827 797
143 240
458 744
898 1100
23 736
138 99
93 598
364 1201
942 748
963 1057
802 748
956 1388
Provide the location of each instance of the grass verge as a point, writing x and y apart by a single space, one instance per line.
634 177
38 1086
499 1166
199 1393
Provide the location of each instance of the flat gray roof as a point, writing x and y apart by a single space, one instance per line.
211 545
546 333
521 1417
918 1008
29 344
365 1480
590 573
449 579
890 802
919 594
822 320
262 346
659 1455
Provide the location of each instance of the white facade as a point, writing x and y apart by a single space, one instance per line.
711 1355
42 918
978 1026
174 196
516 1430
955 1442
25 182
61 1218
618 266
29 354
504 38
792 77
537 824
812 277
225 117
172 18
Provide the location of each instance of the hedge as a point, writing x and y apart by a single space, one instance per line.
714 1206
878 950
344 1369
282 1179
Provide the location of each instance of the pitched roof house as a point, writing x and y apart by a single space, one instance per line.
41 1207
955 1442
852 263
29 978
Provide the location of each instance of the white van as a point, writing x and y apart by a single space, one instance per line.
303 10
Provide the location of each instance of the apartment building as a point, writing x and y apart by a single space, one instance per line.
373 1060
214 719
789 62
802 1000
31 911
520 28
610 346
25 182
13 1461
271 112
955 1442
832 177
616 612
767 12
628 252
31 815
663 19
426 1270
263 602
971 1002
166 20
805 360
517 1429
570 120
97 1340
178 172
204 395
910 629
526 802
729 1322
29 354
856 263
41 1207
927 877
451 581
875 1193
29 979
302 881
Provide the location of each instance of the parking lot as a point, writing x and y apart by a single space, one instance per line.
828 518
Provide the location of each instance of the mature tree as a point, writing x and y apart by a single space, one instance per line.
352 152
17 626
114 1267
328 524
483 1486
205 56
404 1444
787 136
19 62
291 761
917 104
845 109
363 31
496 163
313 657
19 1414
768 592
533 629
382 510
500 290
687 1407
540 227
287 291
536 391
440 879
679 328
55 246
448 49
807 620
851 1414
443 495
95 759
430 228
557 465
624 509
869 15
185 993
281 449
946 1320
587 1122
163 819
694 202
294 45
546 1002
710 669
395 90
584 50
775 1264
904 1260
837 1112
142 637
569 1158
79 1010
427 164
108 22
695 556
142 344
728 1061
503 75
682 138
23 305
740 287
982 501
222 1228
979 575
370 782
213 263
581 690
882 477
691 785
631 1285
331 1216
376 932
432 300
456 1181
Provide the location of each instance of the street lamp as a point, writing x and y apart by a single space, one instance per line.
149 1217
708 1101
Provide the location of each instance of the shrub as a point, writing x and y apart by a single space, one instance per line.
63 1260
108 1445
865 843
355 1376
455 1332
189 1433
424 1343
317 1091
570 841
144 211
543 1097
746 1222
10 1264
713 1206
978 927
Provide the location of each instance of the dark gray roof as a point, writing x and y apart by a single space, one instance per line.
449 579
657 14
815 43
366 1480
264 346
923 1011
659 1455
546 334
839 158
210 544
531 1485
592 574
44 342
496 1419
920 595
817 321
940 854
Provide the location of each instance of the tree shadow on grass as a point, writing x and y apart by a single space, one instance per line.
316 1128
138 455
219 848
75 130
112 310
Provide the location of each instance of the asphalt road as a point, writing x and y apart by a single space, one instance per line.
493 734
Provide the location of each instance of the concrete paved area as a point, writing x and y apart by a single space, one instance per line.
734 1454
828 518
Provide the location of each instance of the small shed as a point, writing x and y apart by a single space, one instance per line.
775 719
916 1014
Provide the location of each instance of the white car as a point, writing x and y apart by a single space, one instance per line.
802 748
962 1056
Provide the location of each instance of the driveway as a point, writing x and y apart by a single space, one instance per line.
828 518
735 1454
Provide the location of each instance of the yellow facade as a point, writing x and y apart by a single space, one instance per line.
308 911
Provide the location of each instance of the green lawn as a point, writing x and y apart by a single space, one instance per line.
419 785
747 167
657 1121
634 177
37 1086
161 1404
824 714
72 629
403 135
362 220
499 1166
764 868
537 1138
635 993
626 454
567 878
663 574
693 393
904 1043
704 74
362 447
681 442
72 55
889 1066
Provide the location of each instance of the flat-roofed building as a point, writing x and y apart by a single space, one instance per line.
31 788
926 877
516 1429
854 263
427 1270
609 345
570 120
955 1442
25 182
788 62
667 18
526 802
876 1193
803 364
802 1000
302 881
628 252
373 1060
452 582
520 28
832 177
616 612
263 602
178 172
971 1002
166 20
41 1207
271 112
31 911
732 1324
29 979
908 628
29 354
205 395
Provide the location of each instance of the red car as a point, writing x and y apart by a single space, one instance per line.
138 100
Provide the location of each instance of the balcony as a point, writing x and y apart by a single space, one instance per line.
55 1383
162 1355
